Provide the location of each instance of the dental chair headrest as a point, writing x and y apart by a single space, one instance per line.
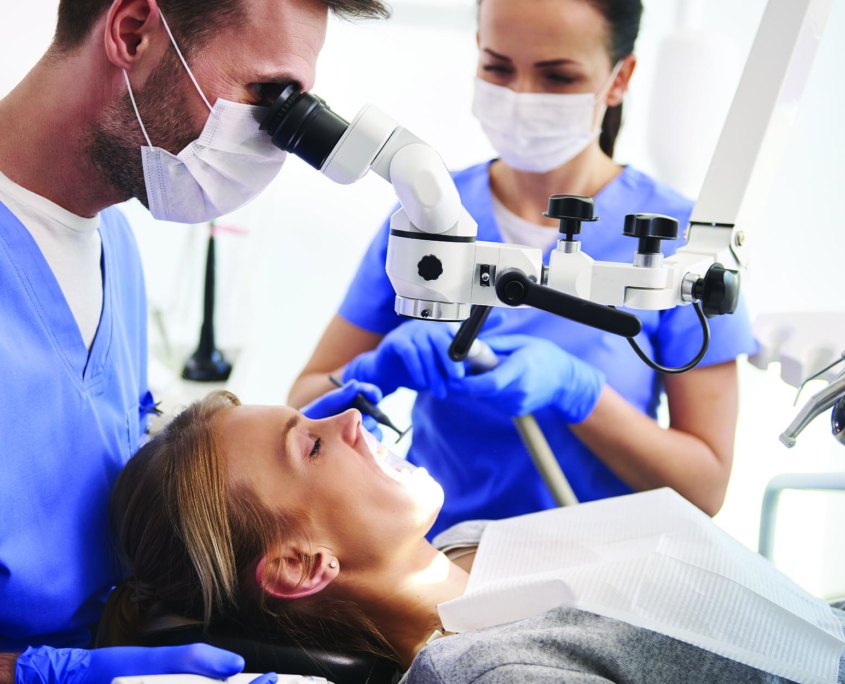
284 657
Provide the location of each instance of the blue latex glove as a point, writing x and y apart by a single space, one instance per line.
341 399
535 373
414 355
47 665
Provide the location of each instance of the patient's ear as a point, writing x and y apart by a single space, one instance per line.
286 577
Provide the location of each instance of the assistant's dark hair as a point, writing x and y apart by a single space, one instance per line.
623 21
192 21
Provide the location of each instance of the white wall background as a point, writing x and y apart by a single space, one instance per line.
280 284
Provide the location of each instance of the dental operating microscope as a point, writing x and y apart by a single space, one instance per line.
441 272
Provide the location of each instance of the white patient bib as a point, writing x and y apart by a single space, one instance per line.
655 561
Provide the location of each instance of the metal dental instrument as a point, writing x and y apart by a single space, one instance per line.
818 404
367 407
814 376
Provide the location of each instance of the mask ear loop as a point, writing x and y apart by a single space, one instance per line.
135 107
185 64
605 89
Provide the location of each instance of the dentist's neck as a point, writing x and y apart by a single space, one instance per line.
45 121
527 194
402 602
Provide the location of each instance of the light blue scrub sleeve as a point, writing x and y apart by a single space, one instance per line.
679 336
370 299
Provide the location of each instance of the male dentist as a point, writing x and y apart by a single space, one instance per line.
154 99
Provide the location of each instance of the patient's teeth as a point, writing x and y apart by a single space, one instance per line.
395 467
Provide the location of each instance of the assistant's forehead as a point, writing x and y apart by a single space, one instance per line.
558 29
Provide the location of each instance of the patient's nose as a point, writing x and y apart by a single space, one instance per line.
349 422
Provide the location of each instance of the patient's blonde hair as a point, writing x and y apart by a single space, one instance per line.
192 540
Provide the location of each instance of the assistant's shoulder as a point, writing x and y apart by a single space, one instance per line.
471 176
660 197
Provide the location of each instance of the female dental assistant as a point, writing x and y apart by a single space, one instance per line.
551 79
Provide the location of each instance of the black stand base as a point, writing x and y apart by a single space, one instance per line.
203 367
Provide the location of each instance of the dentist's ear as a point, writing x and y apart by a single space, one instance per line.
290 577
131 28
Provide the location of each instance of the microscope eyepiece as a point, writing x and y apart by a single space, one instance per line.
303 124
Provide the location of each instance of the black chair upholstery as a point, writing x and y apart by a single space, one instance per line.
262 655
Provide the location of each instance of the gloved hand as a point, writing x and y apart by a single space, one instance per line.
45 665
535 373
341 399
414 355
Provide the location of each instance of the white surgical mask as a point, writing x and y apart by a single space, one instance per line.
538 132
226 167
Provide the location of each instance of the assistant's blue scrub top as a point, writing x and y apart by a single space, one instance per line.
474 451
69 421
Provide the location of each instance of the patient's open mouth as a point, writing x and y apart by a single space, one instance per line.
396 468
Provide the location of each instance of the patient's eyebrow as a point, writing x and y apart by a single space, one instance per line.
286 430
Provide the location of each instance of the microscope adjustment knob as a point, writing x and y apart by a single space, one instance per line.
650 229
571 210
837 420
718 291
430 267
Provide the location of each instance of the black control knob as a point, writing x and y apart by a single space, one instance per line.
430 267
650 229
837 420
572 210
718 291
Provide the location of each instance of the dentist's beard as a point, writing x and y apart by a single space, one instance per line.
115 140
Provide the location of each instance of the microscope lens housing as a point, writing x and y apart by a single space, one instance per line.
303 124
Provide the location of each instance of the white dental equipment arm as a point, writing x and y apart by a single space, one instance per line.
439 270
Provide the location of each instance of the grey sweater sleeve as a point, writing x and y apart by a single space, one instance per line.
571 646
427 671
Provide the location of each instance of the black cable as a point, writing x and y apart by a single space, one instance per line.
705 327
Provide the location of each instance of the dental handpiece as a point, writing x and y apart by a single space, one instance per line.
368 408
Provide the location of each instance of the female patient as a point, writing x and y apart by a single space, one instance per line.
297 528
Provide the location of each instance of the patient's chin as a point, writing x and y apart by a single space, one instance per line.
429 497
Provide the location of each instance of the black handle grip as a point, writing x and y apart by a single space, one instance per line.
514 288
468 332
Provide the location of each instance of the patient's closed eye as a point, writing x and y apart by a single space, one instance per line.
318 443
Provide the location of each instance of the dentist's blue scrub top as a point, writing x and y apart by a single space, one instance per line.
474 451
69 421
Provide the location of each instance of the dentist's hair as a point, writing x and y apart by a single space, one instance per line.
193 21
190 541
